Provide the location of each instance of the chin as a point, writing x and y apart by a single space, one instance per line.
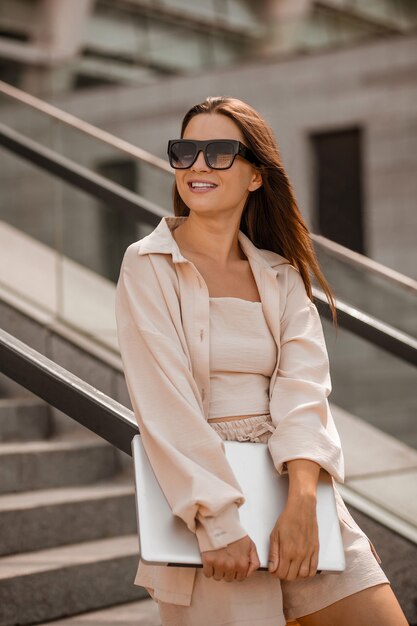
196 204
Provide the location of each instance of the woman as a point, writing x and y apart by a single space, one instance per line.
220 339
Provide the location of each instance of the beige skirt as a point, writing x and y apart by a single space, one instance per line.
262 599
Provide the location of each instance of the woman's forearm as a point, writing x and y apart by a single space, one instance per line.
303 478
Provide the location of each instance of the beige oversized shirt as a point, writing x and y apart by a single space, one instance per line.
162 313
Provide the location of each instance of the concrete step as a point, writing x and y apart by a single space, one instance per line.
74 458
36 520
24 419
142 613
59 582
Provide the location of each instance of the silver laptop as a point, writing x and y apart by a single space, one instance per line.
164 538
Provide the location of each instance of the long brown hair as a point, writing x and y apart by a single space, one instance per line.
271 217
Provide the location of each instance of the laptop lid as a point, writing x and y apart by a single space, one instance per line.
164 538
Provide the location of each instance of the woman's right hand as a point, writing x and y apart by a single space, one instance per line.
236 561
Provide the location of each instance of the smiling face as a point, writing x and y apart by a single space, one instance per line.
232 186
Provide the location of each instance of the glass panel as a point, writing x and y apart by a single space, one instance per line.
241 14
29 233
174 47
95 237
73 242
92 72
28 121
198 8
324 28
371 384
226 51
152 183
114 31
28 199
373 294
60 249
385 11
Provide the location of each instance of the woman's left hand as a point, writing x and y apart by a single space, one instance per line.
294 541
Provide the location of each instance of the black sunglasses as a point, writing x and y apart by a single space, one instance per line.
219 154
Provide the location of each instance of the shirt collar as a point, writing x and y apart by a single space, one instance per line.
160 240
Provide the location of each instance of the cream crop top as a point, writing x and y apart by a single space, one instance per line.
243 356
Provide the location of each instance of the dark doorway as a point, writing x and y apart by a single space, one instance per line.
118 230
338 206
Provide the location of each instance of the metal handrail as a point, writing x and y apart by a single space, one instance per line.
360 261
115 423
351 257
81 177
70 394
84 127
370 328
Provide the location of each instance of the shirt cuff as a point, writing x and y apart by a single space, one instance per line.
215 532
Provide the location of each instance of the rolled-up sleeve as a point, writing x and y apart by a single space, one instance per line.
185 453
304 425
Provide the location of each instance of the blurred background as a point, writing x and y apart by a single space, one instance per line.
90 93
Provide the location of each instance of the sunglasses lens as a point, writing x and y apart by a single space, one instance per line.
220 155
182 154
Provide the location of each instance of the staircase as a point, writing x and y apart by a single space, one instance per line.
68 541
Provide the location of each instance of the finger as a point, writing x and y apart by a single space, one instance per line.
314 563
219 572
293 569
284 562
304 568
241 573
207 562
273 553
283 565
230 570
208 570
254 560
230 576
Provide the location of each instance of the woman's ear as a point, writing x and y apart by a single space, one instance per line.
256 181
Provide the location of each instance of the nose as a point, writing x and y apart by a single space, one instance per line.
200 162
